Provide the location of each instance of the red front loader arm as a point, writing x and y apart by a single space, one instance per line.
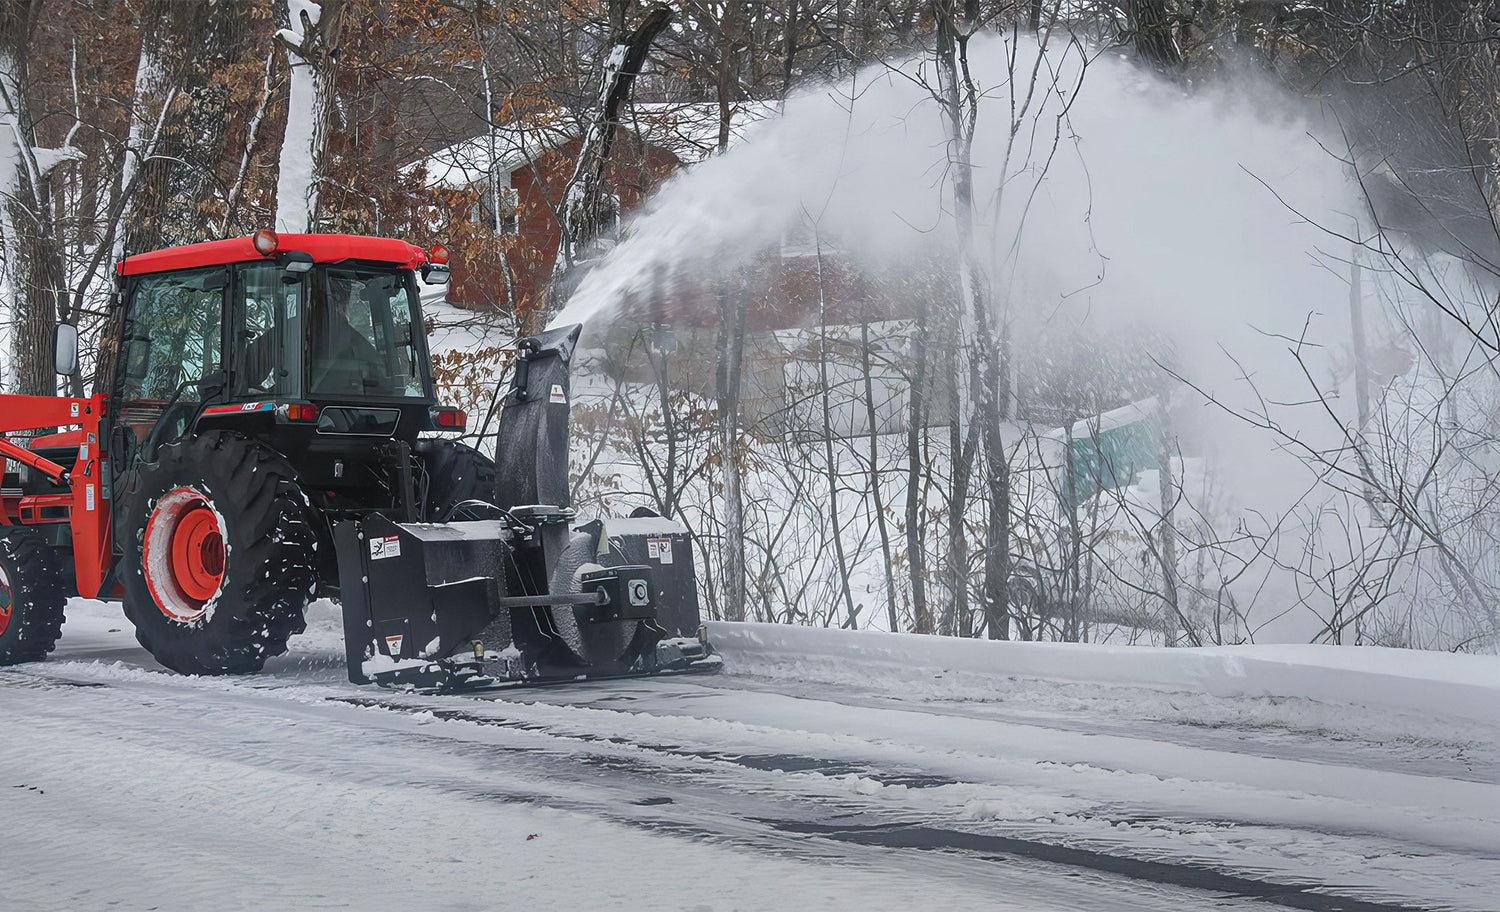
89 520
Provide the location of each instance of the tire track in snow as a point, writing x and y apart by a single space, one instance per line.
641 771
1004 848
146 715
907 835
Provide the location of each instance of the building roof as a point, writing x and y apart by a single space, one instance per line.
688 131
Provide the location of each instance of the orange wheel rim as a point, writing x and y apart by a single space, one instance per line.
198 554
183 554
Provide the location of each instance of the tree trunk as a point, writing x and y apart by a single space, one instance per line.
1166 530
15 28
181 109
916 420
731 352
33 256
830 464
1153 34
956 565
312 43
872 420
959 98
588 209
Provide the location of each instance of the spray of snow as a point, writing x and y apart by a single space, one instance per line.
1202 214
1121 202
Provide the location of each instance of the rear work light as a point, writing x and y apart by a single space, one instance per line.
449 419
265 241
295 262
296 411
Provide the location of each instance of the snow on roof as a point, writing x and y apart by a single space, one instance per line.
688 131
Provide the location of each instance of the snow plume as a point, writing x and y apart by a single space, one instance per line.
1122 200
1204 225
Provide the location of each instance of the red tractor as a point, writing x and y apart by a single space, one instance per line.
268 432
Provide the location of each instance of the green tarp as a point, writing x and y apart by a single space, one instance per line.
1107 452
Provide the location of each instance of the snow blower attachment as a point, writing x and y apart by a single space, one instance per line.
511 592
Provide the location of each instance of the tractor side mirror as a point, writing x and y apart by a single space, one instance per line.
65 349
434 274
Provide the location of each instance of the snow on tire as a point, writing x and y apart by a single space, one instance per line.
219 556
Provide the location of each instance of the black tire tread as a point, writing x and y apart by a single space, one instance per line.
456 472
39 594
271 541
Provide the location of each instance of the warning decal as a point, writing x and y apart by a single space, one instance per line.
659 549
558 396
389 546
393 645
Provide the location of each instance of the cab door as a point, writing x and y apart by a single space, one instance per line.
170 358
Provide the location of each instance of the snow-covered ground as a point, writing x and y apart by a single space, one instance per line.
822 770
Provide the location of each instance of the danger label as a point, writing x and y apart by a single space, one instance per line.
558 396
393 645
389 546
659 549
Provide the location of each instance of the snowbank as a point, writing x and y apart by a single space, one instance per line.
927 666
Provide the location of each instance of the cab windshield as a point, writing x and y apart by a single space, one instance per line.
362 344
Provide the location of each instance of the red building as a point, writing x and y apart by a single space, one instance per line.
503 191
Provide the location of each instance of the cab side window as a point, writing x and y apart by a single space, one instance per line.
270 331
172 334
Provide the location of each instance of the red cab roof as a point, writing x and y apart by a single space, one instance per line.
325 248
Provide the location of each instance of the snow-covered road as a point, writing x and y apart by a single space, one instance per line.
823 770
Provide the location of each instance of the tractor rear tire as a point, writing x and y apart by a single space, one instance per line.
455 473
219 555
33 594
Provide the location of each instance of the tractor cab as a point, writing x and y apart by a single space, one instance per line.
311 344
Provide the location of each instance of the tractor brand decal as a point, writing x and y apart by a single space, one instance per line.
389 546
237 409
659 549
558 397
393 644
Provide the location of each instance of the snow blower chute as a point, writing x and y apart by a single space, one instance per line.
509 590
